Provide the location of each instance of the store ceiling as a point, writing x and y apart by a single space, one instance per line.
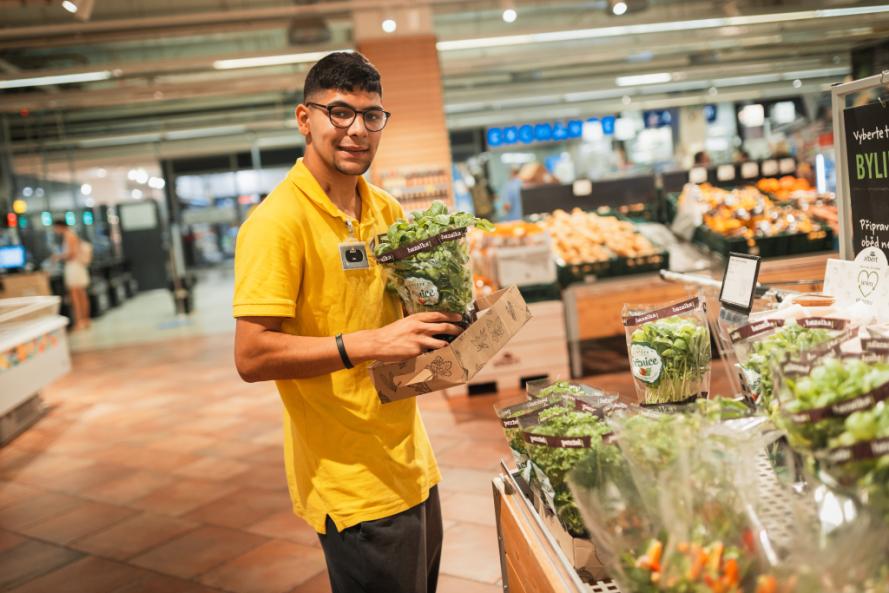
157 77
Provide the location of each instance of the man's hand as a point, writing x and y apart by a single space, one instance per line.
403 339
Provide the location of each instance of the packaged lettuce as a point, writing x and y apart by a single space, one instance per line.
669 350
427 259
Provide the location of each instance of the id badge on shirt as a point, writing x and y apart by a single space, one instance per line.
353 255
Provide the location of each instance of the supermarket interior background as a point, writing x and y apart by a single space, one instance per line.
134 458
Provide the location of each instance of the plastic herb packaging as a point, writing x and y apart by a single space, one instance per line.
667 513
669 350
568 389
762 343
859 456
819 395
510 418
427 259
561 438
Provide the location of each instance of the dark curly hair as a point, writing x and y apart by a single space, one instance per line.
342 71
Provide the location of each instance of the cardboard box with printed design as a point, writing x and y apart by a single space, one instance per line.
501 315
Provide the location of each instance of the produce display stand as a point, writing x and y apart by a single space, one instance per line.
531 560
33 353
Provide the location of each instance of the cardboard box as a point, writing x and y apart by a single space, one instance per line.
581 553
501 316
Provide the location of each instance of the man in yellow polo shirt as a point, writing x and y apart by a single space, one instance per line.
312 311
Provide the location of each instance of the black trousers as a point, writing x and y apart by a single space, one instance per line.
397 554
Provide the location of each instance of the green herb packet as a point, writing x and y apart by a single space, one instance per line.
434 277
669 349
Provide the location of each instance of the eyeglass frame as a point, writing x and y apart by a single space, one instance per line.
358 112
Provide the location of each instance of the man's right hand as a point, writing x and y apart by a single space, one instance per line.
403 339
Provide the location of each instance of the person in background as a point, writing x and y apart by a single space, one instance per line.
509 202
75 256
702 159
482 201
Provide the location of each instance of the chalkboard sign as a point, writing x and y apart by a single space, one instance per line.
867 150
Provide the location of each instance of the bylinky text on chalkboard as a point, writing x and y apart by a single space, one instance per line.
867 148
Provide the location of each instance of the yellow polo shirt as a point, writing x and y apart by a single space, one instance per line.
346 455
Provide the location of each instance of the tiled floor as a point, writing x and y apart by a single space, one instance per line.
158 470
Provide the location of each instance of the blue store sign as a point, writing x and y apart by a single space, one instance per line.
710 113
557 131
657 118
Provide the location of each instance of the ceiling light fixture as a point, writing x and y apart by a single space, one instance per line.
86 189
18 83
663 27
642 79
510 15
797 83
619 8
627 100
69 6
389 25
277 60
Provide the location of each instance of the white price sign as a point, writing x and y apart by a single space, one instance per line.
697 175
725 172
787 166
582 187
749 170
769 168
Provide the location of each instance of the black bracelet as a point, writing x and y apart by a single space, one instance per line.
342 348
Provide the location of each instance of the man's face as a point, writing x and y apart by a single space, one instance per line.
348 151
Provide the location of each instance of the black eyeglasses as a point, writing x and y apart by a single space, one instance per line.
342 116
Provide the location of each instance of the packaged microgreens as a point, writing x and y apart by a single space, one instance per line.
427 259
566 388
669 349
670 509
762 343
819 394
510 417
561 437
858 457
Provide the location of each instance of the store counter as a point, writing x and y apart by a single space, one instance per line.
33 353
25 284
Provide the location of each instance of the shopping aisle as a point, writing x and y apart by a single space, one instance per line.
151 316
157 469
